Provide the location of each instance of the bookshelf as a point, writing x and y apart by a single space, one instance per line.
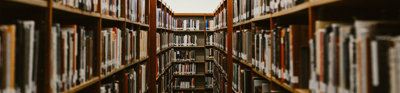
220 55
56 12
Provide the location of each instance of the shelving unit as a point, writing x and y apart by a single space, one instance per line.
307 13
59 13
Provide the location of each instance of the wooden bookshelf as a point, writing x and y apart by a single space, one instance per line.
188 47
188 62
84 85
163 50
188 31
189 75
36 3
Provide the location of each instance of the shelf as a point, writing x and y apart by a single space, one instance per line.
220 67
38 3
137 23
276 81
222 28
164 71
189 75
242 61
107 17
289 11
187 61
191 89
163 50
209 59
83 85
188 46
223 51
188 31
210 46
61 7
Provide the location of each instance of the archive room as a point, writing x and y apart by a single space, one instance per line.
199 46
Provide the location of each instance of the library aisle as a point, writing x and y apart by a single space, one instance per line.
243 46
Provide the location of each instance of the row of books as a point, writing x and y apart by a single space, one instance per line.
261 85
185 68
135 80
86 5
260 58
131 44
162 40
241 44
164 19
184 83
111 7
247 9
209 82
19 40
184 55
219 40
241 79
112 87
210 39
136 10
187 24
220 19
164 60
185 40
209 53
143 38
209 67
210 25
220 84
112 47
220 61
364 55
277 53
72 56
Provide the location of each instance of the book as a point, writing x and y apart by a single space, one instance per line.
185 40
143 43
185 68
184 55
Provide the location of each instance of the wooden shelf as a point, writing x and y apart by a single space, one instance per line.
137 23
61 7
289 11
222 28
164 71
189 75
223 51
113 18
163 50
269 78
220 67
38 3
243 62
188 47
83 85
187 61
188 31
191 89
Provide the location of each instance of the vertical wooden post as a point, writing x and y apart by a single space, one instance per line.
311 22
47 58
229 38
99 48
152 47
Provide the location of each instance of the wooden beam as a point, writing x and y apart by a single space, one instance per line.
151 64
229 24
193 14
